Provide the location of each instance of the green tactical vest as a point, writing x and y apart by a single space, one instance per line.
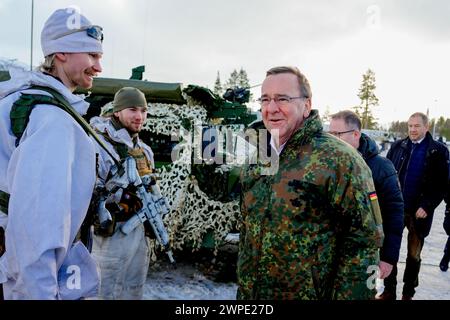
20 116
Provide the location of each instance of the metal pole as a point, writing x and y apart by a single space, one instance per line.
435 119
31 51
434 129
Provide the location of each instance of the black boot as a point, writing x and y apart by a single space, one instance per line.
387 295
410 278
444 262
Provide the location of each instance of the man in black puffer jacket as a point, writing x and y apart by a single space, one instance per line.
346 125
443 265
422 166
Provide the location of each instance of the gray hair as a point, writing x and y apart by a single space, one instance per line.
303 82
421 115
350 118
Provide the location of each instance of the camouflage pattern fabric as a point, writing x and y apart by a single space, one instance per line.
143 165
311 230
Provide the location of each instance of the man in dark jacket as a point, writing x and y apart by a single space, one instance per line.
443 265
422 166
346 125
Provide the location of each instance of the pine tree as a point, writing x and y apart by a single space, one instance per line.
326 117
233 81
238 80
368 101
358 111
218 85
400 128
440 124
445 131
243 81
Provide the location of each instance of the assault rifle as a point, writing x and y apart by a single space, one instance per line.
154 204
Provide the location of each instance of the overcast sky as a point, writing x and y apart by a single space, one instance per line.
406 43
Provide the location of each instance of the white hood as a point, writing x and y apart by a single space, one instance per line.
104 125
22 80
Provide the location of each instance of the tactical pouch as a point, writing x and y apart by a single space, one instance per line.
129 204
143 166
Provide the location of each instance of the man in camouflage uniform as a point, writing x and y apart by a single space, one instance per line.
312 230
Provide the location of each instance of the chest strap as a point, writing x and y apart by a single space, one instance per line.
20 113
20 116
4 200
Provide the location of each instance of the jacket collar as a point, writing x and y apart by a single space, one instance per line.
304 135
427 138
119 135
367 147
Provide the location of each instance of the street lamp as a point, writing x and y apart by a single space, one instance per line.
434 124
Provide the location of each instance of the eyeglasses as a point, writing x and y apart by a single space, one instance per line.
340 133
281 100
95 32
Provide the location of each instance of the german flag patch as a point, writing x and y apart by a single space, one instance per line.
375 207
373 196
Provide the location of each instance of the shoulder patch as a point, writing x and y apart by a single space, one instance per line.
375 207
373 196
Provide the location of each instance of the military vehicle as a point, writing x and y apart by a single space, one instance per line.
185 122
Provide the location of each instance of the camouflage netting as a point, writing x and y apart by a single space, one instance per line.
193 213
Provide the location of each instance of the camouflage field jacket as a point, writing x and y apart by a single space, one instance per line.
313 229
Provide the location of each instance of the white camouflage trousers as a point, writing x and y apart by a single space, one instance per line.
123 261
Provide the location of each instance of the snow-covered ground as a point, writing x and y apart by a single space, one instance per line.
433 283
186 283
195 278
189 282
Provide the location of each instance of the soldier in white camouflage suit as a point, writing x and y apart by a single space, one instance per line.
123 259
